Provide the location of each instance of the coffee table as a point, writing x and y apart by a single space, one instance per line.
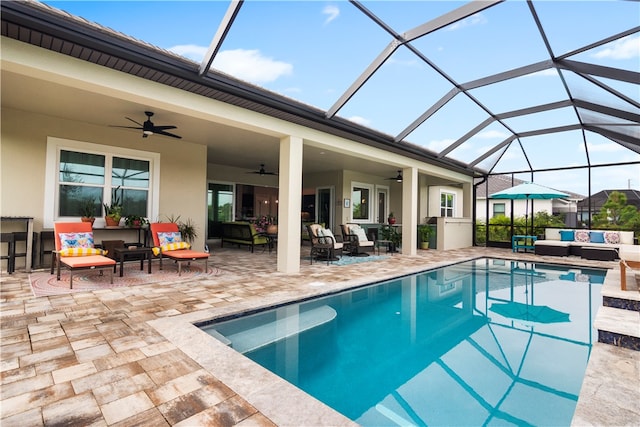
137 253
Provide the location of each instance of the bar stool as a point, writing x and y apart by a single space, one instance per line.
21 237
47 245
11 251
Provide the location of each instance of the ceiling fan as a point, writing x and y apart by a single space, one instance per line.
148 128
262 171
397 178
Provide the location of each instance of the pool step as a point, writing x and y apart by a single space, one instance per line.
618 320
268 333
619 327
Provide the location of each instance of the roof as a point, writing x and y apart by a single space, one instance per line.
600 198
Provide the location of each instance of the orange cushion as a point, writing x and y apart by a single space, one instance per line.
185 254
87 261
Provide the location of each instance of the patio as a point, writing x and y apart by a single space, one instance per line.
93 358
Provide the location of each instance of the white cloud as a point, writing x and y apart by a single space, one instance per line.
476 19
625 48
190 51
360 120
608 147
332 13
439 145
492 134
251 65
248 65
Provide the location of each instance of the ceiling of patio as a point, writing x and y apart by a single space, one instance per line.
479 109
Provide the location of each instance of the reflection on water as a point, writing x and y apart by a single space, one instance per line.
483 342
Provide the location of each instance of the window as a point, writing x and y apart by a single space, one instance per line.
447 204
361 205
78 172
498 209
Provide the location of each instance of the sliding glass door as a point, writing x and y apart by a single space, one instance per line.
220 207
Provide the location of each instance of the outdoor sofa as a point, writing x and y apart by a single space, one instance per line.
603 245
242 233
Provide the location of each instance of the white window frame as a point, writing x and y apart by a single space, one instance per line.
382 189
370 213
52 176
447 209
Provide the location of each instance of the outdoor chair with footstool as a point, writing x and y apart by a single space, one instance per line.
167 241
76 252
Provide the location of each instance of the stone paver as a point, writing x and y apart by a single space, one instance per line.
92 359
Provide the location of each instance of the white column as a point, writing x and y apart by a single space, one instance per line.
289 204
409 211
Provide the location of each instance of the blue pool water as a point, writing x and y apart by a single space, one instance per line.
485 342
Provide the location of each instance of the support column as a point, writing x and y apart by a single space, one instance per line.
409 211
289 204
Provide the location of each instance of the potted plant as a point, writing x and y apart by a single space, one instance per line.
88 210
392 235
391 218
135 221
113 212
187 229
424 233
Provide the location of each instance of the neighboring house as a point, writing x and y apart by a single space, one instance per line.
592 205
494 183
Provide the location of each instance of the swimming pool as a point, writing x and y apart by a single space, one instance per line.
482 342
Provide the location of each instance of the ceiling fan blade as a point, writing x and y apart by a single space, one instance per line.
161 128
161 132
125 127
130 119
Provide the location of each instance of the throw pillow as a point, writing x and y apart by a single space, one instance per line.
170 247
567 235
320 234
82 252
612 237
596 237
76 240
328 233
582 236
360 234
165 238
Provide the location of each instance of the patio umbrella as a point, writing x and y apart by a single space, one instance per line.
528 190
530 313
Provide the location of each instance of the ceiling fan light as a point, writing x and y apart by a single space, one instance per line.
399 177
147 132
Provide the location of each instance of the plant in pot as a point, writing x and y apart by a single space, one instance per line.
424 233
392 235
88 211
135 221
113 212
187 229
391 218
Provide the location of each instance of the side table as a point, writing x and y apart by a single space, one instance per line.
141 253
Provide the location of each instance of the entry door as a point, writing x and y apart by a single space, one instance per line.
383 204
324 206
219 207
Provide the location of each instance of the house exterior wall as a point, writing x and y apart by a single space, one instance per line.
182 186
519 207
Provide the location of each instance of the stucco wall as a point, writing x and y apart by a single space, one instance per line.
23 158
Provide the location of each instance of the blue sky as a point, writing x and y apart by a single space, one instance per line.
313 50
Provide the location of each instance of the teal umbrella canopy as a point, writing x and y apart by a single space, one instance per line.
529 190
529 313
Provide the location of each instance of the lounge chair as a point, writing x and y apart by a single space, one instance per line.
168 243
75 250
323 243
357 238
